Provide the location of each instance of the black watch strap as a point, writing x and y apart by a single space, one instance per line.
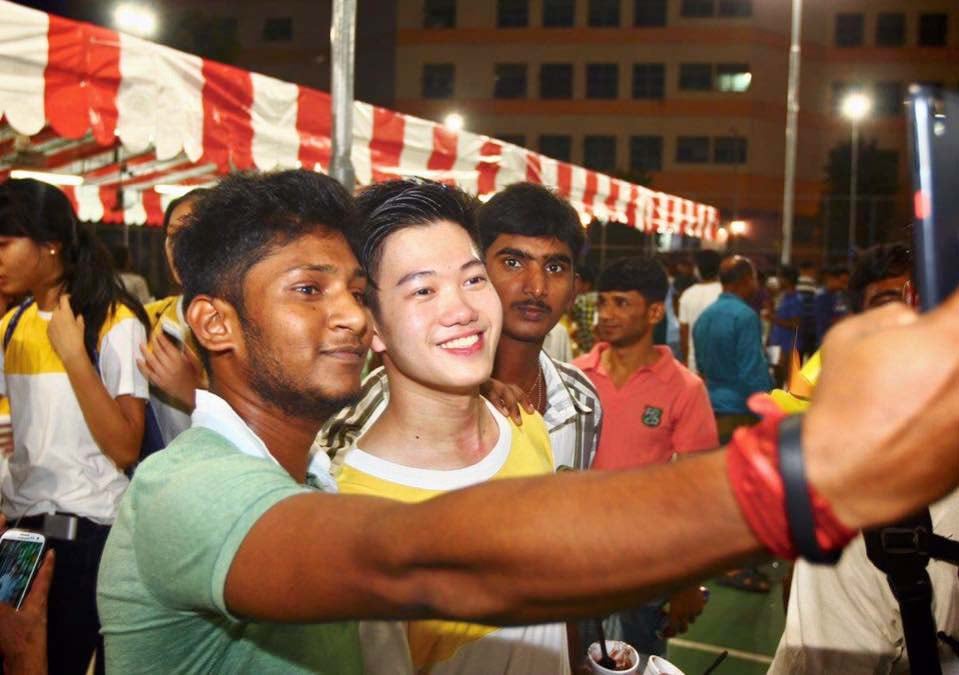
799 512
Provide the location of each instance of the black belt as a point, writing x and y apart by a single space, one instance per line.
85 527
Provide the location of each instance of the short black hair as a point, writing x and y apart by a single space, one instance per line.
643 274
386 208
586 272
245 217
531 210
190 196
790 274
882 261
707 262
738 271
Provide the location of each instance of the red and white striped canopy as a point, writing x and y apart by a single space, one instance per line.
128 114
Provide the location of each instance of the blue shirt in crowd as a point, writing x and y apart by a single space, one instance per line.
789 307
830 307
729 337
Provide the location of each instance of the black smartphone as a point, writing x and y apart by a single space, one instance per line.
933 119
20 554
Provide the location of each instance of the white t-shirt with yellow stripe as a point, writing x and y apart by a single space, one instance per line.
449 647
56 465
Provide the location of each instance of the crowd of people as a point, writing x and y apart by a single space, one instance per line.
240 499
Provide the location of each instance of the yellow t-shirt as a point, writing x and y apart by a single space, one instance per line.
452 647
167 315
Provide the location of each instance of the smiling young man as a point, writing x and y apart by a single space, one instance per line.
530 239
226 558
437 322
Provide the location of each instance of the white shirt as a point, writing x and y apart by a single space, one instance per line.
214 413
844 619
56 464
558 345
692 303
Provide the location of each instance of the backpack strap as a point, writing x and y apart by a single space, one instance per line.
14 320
902 552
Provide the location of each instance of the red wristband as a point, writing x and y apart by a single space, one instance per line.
752 461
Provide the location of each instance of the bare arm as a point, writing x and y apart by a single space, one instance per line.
460 555
879 442
116 424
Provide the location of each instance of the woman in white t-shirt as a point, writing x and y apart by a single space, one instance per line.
77 400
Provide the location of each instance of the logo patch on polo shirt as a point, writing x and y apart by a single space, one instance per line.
652 416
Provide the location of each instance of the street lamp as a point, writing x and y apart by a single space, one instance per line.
135 19
855 107
737 229
453 122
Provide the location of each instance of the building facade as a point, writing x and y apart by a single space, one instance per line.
690 94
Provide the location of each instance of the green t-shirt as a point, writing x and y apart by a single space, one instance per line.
163 572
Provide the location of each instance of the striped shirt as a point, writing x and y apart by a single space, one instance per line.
573 416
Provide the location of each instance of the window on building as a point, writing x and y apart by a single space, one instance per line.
603 13
559 13
649 80
439 14
512 13
933 30
647 13
889 99
278 29
556 80
599 153
735 7
849 30
646 153
510 80
697 8
891 29
438 80
515 139
729 150
557 146
733 77
692 149
602 80
695 76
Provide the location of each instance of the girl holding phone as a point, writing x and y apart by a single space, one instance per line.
77 400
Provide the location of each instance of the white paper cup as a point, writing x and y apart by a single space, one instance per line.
660 666
595 654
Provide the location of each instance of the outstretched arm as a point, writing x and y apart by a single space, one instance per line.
879 441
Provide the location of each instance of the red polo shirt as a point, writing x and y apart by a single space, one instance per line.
659 410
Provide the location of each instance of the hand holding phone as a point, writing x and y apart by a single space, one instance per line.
20 555
23 631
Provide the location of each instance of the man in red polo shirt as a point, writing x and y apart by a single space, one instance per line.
653 409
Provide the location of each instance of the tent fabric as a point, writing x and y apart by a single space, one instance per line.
180 118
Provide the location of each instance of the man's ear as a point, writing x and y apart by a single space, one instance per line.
657 312
377 344
214 323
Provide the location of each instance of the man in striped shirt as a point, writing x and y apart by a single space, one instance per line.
531 239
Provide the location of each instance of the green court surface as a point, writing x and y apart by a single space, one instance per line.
747 624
